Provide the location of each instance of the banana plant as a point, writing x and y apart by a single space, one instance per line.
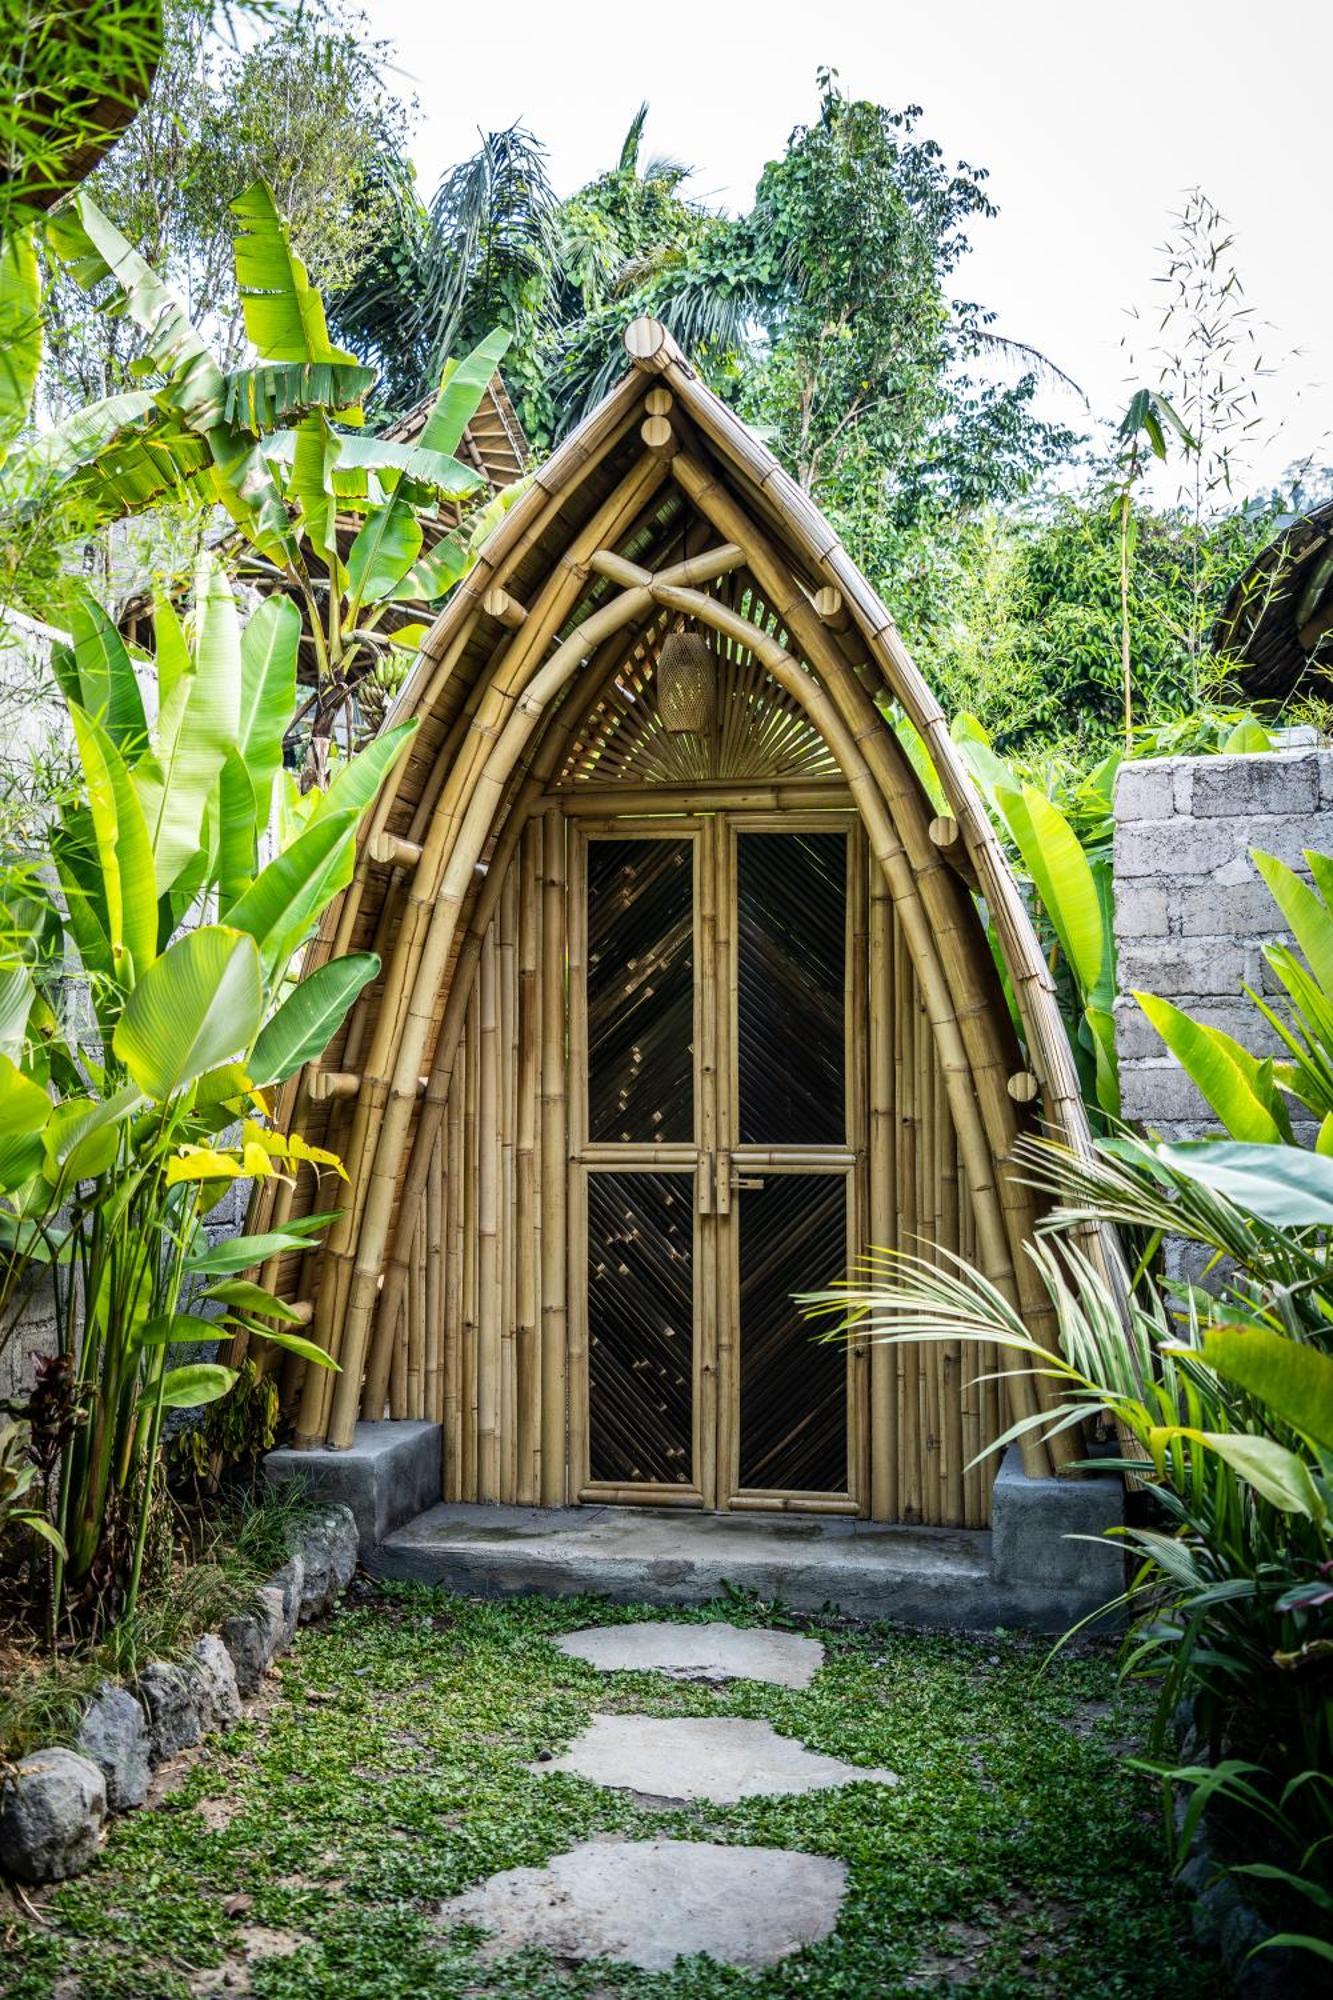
1071 884
186 923
349 525
1252 1096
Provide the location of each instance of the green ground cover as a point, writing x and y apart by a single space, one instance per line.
304 1855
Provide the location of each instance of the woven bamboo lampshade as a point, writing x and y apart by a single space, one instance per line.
686 683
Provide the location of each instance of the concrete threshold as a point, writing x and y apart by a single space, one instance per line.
938 1577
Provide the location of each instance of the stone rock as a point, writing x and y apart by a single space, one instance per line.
722 1758
52 1810
328 1547
169 1695
216 1694
289 1582
698 1652
648 1903
252 1638
114 1736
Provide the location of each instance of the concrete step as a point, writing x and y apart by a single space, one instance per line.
941 1577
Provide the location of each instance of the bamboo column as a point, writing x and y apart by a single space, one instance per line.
554 1165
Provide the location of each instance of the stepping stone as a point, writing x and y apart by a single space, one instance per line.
648 1903
698 1652
722 1758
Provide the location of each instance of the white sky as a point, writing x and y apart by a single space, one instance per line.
1093 120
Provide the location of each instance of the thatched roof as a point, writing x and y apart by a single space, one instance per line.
1277 624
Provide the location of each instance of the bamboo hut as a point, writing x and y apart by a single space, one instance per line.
685 1000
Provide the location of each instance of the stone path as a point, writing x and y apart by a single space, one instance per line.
647 1903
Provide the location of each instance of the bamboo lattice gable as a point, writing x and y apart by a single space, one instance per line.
549 692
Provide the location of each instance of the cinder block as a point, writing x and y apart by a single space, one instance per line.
1146 789
1142 910
1159 1094
1173 847
1241 787
390 1473
1214 909
1174 968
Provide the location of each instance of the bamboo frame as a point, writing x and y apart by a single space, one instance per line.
445 1288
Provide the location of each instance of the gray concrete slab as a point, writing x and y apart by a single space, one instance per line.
388 1475
1040 1568
723 1758
648 1903
712 1652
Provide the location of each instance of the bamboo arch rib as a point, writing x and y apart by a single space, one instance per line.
460 885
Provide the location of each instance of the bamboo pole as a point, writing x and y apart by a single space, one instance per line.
469 1325
488 1225
882 1232
453 1287
554 1168
527 1223
436 1238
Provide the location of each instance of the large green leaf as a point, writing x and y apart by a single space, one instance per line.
1276 1474
356 782
463 385
275 393
435 572
1061 877
124 853
197 727
24 1111
200 1005
284 314
1229 1079
20 331
309 1018
1293 1380
1310 922
17 994
269 647
387 544
186 1388
1284 1186
109 688
238 854
239 1253
288 895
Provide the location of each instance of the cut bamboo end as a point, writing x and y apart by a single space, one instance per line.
394 852
1024 1087
658 401
646 339
947 835
828 603
326 1085
657 433
497 603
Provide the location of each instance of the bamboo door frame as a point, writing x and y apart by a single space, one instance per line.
710 1157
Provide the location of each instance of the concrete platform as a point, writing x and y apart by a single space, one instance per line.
387 1475
1024 1574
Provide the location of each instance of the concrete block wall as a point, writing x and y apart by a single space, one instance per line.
1191 910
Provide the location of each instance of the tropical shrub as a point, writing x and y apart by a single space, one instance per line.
1249 1095
276 442
1222 1403
147 1005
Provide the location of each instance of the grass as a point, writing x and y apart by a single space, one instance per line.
215 1562
306 1854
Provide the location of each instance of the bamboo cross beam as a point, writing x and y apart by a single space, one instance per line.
947 835
497 603
390 850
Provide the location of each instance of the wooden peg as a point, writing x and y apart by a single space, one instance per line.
947 835
326 1084
394 852
497 603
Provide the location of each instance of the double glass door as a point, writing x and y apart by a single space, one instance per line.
715 1139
